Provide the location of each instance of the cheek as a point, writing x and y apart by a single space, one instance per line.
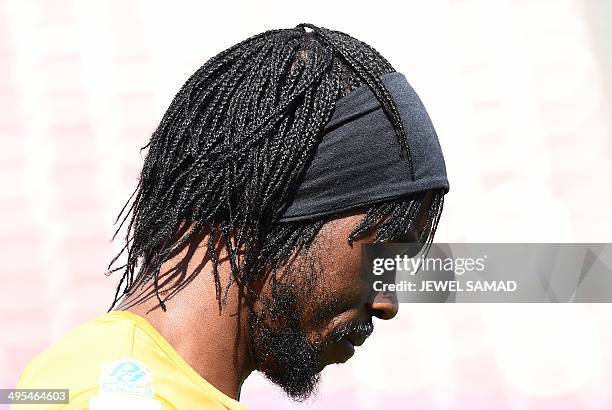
340 263
343 259
337 283
338 289
341 269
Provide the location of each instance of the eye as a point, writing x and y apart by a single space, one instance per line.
406 237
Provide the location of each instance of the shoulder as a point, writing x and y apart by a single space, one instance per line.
74 360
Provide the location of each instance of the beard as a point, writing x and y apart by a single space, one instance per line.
280 345
283 352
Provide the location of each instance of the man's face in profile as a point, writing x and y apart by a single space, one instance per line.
315 314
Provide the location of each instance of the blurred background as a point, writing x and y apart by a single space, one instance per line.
520 92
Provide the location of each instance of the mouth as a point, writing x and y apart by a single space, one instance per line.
345 347
355 340
348 338
346 350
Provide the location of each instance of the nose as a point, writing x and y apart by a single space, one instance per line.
384 306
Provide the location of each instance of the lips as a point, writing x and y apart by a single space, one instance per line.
347 346
356 340
346 350
343 346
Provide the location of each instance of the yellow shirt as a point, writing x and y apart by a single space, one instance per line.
116 361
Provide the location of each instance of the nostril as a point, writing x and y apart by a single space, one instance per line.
384 305
379 313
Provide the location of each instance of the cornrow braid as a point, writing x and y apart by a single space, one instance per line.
230 150
364 65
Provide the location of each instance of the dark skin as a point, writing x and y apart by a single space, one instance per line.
203 333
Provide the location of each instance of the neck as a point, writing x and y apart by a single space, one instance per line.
212 341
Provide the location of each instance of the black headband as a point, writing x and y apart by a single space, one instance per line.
357 162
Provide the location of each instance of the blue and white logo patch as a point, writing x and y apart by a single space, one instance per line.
127 376
125 384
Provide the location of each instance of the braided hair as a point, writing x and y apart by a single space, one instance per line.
231 148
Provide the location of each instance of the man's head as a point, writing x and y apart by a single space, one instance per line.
226 164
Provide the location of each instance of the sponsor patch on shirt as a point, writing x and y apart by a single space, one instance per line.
127 376
125 383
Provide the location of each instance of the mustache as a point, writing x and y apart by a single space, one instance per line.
360 330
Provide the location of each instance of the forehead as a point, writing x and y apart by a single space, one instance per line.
340 228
